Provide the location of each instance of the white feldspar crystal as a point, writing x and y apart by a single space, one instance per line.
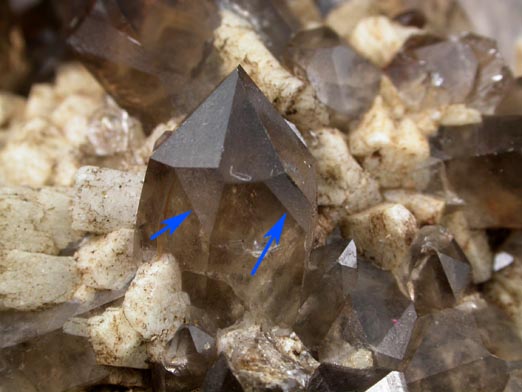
42 101
391 151
36 220
33 155
72 115
263 360
105 199
341 181
459 114
379 39
11 108
115 342
154 303
474 244
30 281
238 43
106 262
73 78
427 209
382 233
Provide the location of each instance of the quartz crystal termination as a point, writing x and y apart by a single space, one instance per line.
238 166
492 152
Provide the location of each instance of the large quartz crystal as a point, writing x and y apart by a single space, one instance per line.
432 72
127 45
239 167
343 80
482 162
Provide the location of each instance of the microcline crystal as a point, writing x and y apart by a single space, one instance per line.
239 167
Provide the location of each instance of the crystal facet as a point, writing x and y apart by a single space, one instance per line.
492 151
431 72
237 164
343 80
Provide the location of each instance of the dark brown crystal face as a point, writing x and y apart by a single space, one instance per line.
482 165
151 56
239 167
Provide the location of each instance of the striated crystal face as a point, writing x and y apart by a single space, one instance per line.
440 272
343 80
239 167
431 72
128 46
491 151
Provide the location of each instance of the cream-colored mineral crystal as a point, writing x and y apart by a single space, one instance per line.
379 39
115 342
341 181
36 220
30 281
382 233
427 209
391 151
106 262
238 43
105 199
154 303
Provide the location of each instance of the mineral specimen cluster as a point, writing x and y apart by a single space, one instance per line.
366 151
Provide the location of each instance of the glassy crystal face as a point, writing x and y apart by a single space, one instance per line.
348 309
432 72
220 378
491 151
333 378
239 167
447 354
128 46
343 80
440 272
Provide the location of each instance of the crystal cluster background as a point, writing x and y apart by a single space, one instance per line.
387 133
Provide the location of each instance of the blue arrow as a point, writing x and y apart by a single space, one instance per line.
275 234
171 224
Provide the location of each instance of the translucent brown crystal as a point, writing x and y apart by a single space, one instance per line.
491 151
237 164
343 80
127 45
430 72
440 273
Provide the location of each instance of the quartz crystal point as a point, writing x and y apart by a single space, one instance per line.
239 167
343 80
332 273
350 305
492 152
440 272
151 56
447 354
188 356
431 72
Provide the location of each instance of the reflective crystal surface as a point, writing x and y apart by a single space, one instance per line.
447 354
352 311
343 80
50 363
239 167
333 378
220 378
432 72
491 151
127 45
440 273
